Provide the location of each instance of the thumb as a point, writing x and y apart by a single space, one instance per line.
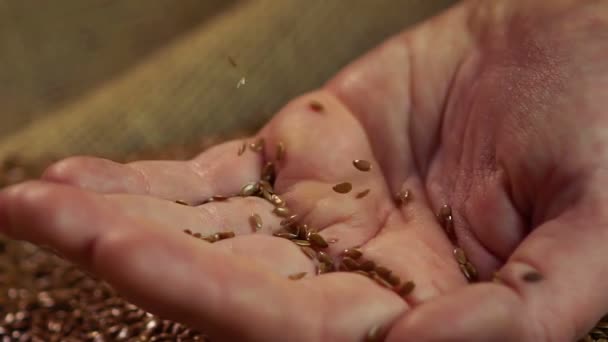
551 289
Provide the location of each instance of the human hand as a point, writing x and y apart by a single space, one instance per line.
473 109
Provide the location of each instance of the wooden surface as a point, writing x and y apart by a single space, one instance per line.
110 77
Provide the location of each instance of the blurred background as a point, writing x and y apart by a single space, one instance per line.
150 79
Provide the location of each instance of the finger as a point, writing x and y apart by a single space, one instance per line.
168 273
547 293
230 215
217 171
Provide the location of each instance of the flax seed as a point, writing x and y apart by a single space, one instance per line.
218 198
285 235
324 268
449 228
188 231
303 232
302 243
269 172
211 238
444 211
277 201
197 235
403 196
324 257
350 264
378 279
367 265
317 241
375 334
363 273
255 221
383 272
289 220
280 151
258 145
362 165
343 188
362 193
182 202
281 212
265 185
532 277
352 253
460 256
316 106
242 149
297 276
249 189
225 235
393 280
406 289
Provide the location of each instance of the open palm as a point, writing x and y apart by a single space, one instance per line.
433 111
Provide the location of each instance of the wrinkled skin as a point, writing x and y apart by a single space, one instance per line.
497 108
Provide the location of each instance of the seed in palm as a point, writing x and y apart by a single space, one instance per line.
352 253
316 106
362 193
289 221
281 212
277 201
249 189
182 202
256 222
383 272
460 256
280 155
297 276
381 281
242 149
375 334
285 235
367 265
532 277
258 145
188 231
225 235
197 235
269 172
343 188
324 257
362 165
406 289
218 198
318 241
403 196
350 264
302 243
311 253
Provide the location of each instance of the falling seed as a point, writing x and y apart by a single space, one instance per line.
317 241
297 276
281 212
302 243
324 257
256 222
285 235
343 188
351 264
367 265
332 240
225 235
277 201
290 220
311 253
316 106
362 165
242 149
269 172
403 196
532 277
383 272
460 255
249 189
406 289
280 151
362 193
181 202
188 231
258 145
352 253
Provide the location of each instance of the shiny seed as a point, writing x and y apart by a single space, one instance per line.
197 235
394 280
265 185
302 243
280 151
269 172
218 198
383 272
532 277
460 255
277 201
258 145
352 253
403 196
188 231
290 220
285 235
242 149
303 232
281 212
406 289
324 257
343 188
317 241
472 270
211 238
311 253
324 268
297 276
181 202
445 211
367 266
316 106
225 235
256 222
375 334
350 264
449 228
249 189
362 165
362 193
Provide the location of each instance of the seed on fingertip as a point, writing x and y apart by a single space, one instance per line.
316 106
343 188
297 276
362 165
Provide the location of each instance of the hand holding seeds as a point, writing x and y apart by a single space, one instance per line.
429 192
